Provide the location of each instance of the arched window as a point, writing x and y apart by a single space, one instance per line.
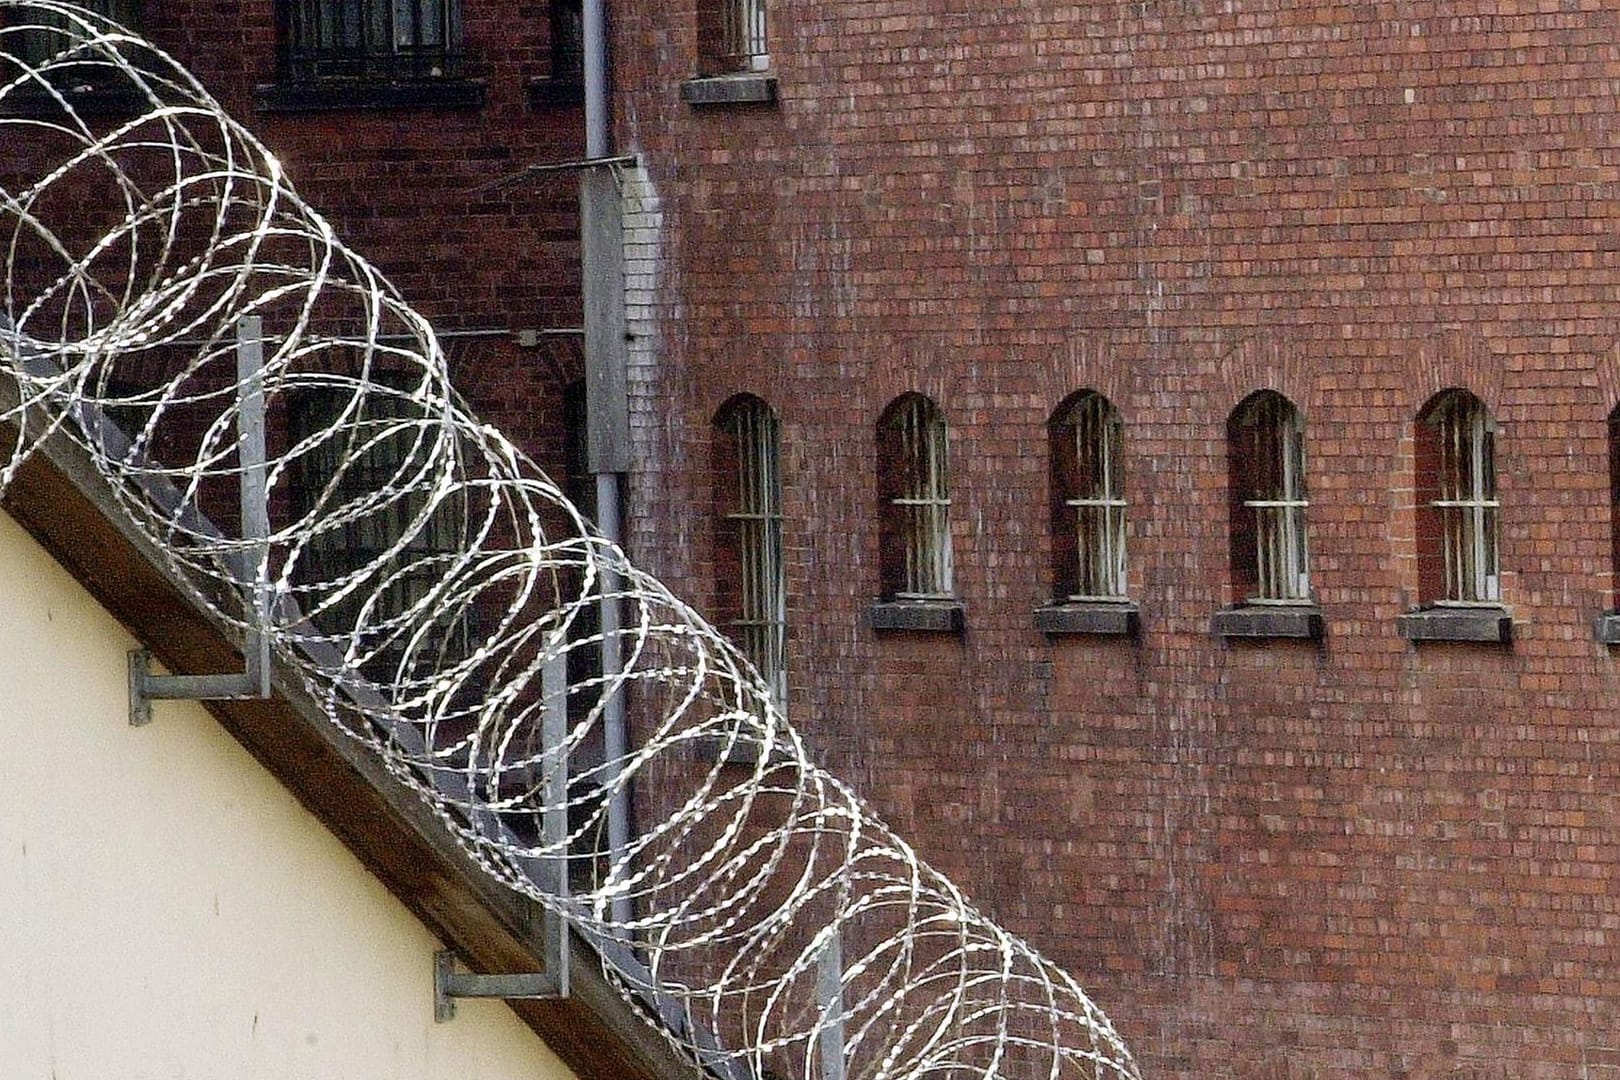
1457 505
914 524
1266 458
750 577
1088 499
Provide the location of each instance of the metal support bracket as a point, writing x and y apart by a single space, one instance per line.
449 984
551 984
254 680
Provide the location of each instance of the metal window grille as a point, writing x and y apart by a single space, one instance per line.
370 39
1276 497
1098 501
1467 501
761 628
742 24
37 46
924 501
567 42
344 470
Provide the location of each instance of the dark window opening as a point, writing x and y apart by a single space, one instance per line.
914 501
1458 511
1085 439
732 34
353 471
376 40
750 575
567 42
95 83
1266 459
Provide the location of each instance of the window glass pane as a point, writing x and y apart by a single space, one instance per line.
1466 497
924 500
1098 499
760 629
368 38
1269 457
355 470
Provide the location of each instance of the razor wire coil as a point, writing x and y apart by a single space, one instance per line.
428 580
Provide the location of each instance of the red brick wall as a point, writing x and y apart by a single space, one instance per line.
409 189
1274 859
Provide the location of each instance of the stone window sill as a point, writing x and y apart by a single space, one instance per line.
917 616
90 100
739 751
1094 618
1269 621
742 88
1479 624
326 95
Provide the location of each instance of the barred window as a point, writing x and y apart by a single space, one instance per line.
53 34
567 42
915 509
751 573
1088 499
384 40
1266 457
351 460
1458 508
733 35
744 38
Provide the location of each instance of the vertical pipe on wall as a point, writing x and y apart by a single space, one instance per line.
595 76
607 411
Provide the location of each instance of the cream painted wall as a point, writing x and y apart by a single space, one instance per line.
168 911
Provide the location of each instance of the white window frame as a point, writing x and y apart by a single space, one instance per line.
761 626
1099 511
1281 541
1467 503
924 501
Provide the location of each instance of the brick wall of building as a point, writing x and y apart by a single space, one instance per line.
420 191
411 189
1269 859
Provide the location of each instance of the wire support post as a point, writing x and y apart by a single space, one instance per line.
254 680
552 983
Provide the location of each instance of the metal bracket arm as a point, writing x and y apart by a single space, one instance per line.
254 681
145 688
449 984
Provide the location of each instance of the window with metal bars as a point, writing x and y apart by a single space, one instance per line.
752 577
55 33
567 42
1088 499
733 33
379 40
347 471
1266 457
1458 508
52 38
915 508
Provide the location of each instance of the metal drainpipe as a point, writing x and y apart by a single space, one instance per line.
615 743
595 74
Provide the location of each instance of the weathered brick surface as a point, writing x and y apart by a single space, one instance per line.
1276 859
409 190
